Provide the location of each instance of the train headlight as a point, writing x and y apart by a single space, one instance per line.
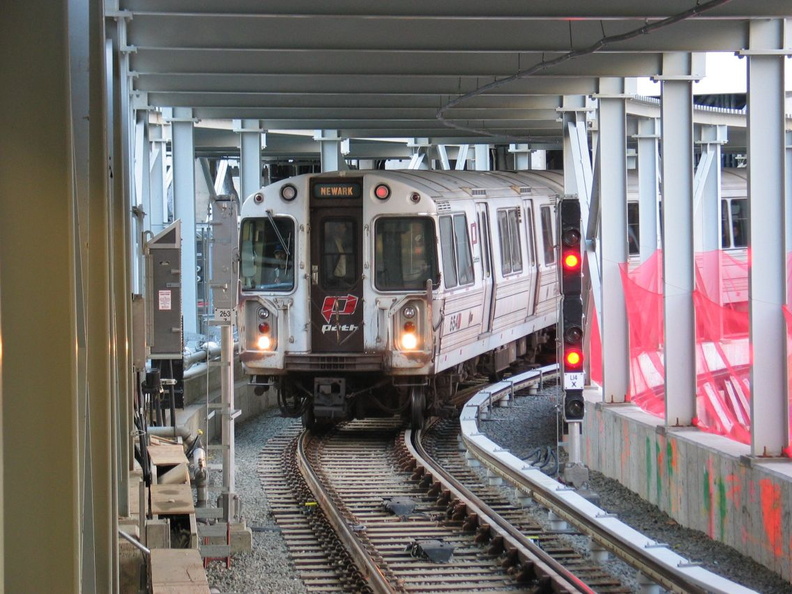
409 340
288 192
261 335
409 311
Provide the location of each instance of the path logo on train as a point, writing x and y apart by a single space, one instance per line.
338 306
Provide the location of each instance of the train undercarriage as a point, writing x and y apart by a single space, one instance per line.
326 397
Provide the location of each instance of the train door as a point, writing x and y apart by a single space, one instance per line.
485 243
336 266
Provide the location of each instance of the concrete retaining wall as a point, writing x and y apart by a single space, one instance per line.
705 482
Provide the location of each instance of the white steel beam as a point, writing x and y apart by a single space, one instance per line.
679 71
184 208
613 237
482 157
766 202
157 210
251 141
707 190
648 185
331 149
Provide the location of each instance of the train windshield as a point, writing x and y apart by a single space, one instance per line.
405 253
267 254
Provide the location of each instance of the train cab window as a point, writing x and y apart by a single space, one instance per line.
267 254
405 255
509 233
455 246
339 264
548 241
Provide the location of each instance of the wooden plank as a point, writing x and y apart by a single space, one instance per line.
167 455
177 571
171 499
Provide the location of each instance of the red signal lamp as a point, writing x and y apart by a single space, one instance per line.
571 261
573 359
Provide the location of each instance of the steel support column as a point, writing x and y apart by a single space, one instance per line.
252 139
482 157
648 185
679 72
181 121
157 210
767 227
613 237
332 149
707 190
55 205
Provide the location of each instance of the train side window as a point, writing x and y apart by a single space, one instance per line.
447 245
509 233
633 229
463 253
548 241
739 222
267 254
457 256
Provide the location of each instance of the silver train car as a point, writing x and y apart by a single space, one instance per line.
376 293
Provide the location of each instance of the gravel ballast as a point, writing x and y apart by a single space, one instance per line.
526 427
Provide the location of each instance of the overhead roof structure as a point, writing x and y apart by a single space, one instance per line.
463 71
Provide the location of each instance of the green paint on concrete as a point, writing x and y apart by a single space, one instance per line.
669 460
723 502
648 455
658 471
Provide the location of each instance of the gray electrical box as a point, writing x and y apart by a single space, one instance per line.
163 294
223 253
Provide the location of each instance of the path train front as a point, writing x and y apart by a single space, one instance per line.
376 293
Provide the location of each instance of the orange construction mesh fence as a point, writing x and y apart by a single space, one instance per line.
722 348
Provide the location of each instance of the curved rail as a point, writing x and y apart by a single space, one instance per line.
654 559
367 566
530 554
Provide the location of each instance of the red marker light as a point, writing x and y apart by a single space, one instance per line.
573 358
571 261
264 328
382 192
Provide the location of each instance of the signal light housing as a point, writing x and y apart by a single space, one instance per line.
571 259
570 324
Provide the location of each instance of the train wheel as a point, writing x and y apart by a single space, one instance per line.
417 407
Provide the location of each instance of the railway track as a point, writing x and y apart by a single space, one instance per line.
369 507
400 526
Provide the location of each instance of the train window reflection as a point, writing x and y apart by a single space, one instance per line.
509 231
633 229
338 257
404 253
267 254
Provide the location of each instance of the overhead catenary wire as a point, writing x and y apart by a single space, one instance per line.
543 64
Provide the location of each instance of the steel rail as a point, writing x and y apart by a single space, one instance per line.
543 564
367 566
653 559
